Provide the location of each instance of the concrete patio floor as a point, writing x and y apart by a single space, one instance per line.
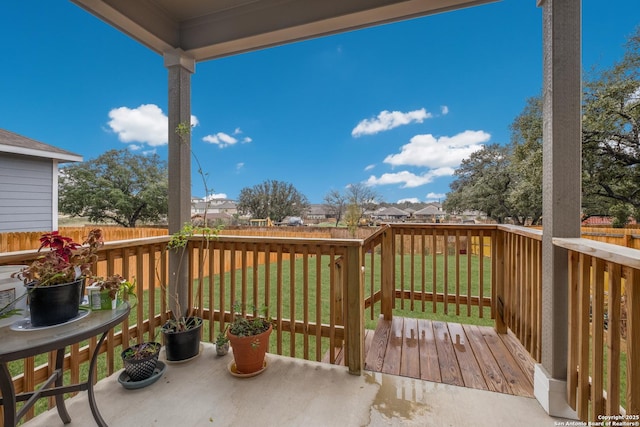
292 392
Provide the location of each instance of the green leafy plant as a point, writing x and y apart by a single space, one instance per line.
116 284
65 261
141 351
222 339
245 326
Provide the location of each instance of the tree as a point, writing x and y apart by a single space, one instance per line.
117 186
611 137
272 199
335 202
482 183
525 197
363 197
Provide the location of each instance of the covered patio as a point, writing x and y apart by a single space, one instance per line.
536 285
294 392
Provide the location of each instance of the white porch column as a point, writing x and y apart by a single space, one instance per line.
180 69
562 90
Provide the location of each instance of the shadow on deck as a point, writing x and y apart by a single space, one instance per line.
449 353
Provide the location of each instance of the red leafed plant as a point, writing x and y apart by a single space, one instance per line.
65 261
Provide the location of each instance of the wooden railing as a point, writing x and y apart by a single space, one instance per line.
443 268
604 329
312 289
518 292
316 291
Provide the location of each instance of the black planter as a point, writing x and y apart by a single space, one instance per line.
142 367
183 345
54 304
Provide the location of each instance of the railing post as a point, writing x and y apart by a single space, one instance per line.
387 273
498 283
355 310
337 296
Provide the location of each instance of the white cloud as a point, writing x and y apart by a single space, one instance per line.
387 120
410 200
246 140
444 110
434 197
149 152
409 179
221 139
145 124
369 167
239 166
429 151
237 131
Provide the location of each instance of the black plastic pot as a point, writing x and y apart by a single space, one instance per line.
54 304
143 367
182 345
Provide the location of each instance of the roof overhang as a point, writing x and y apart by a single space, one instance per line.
209 29
61 157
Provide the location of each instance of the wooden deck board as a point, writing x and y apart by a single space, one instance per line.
518 352
393 355
490 368
464 355
516 378
429 367
469 367
449 368
375 357
410 359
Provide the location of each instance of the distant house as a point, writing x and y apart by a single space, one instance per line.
29 183
317 213
391 214
432 212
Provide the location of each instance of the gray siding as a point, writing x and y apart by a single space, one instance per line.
25 193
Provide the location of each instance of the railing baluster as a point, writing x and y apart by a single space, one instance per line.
613 339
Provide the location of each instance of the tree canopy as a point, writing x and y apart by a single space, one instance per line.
272 199
117 186
611 138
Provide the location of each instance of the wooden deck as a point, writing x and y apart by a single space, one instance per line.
450 353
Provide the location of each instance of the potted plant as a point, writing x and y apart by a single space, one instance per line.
55 279
222 343
182 332
140 360
249 338
106 294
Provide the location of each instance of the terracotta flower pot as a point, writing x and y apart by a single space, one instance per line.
249 352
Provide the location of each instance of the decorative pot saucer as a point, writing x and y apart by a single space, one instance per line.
234 371
127 383
177 362
25 324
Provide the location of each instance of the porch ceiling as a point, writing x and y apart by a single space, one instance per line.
208 29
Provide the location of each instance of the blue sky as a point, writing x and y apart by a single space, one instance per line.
396 106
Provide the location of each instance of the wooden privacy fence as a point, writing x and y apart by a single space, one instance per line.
27 240
603 374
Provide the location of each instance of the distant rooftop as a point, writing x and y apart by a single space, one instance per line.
11 142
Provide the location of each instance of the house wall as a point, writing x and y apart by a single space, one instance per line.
26 193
